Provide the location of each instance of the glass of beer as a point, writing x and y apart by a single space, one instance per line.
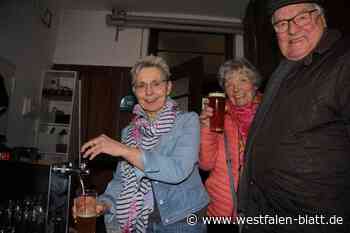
217 103
85 206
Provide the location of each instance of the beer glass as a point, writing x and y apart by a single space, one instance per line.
217 103
85 206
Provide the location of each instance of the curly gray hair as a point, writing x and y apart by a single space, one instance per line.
241 65
150 62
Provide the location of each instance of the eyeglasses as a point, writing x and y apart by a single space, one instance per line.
301 19
141 86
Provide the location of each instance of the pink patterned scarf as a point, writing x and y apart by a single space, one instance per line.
243 117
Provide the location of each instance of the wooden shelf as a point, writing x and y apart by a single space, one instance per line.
54 124
58 98
53 153
35 162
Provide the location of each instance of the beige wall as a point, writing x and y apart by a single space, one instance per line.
85 39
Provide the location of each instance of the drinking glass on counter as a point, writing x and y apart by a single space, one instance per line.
85 206
23 215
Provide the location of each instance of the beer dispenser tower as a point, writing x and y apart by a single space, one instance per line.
75 168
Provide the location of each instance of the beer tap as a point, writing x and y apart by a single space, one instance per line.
68 169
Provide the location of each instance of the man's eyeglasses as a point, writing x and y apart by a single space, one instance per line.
301 19
141 86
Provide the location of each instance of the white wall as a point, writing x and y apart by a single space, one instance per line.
7 71
27 43
85 39
30 45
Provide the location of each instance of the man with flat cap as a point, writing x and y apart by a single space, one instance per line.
297 171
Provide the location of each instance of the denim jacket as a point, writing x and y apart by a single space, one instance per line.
172 166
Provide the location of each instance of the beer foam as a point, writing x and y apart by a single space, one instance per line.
86 215
217 94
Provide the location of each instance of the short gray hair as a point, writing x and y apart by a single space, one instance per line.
241 65
151 61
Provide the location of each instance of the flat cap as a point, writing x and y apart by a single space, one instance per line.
273 5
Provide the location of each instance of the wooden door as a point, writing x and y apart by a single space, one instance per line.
187 81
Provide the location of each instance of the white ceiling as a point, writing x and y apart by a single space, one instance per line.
212 8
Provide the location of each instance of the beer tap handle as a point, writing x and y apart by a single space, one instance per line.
83 166
68 169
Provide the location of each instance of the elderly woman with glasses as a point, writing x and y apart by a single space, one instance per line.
240 80
157 184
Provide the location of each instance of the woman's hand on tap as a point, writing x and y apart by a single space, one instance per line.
103 144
